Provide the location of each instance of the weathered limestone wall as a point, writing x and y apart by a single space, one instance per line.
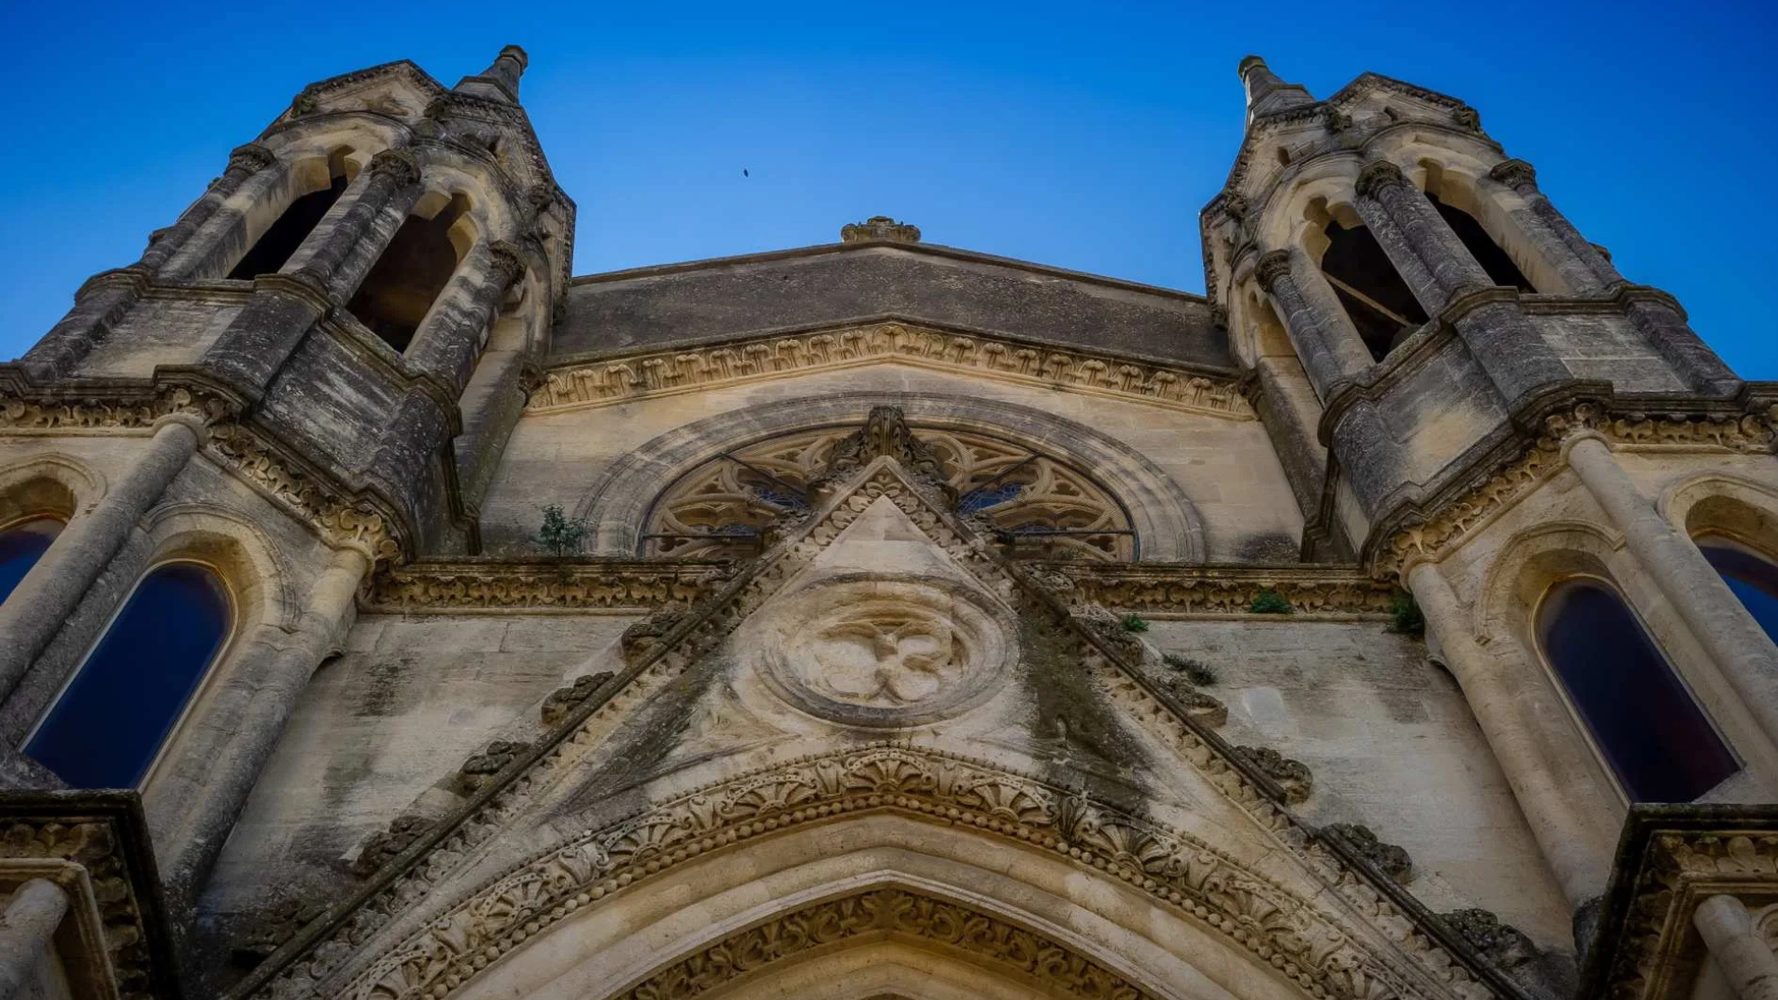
1392 745
410 699
162 332
1608 348
1226 467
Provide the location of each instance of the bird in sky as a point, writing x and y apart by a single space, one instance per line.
744 172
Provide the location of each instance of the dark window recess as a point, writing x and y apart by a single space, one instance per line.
106 728
408 277
20 547
1501 269
1753 578
1378 302
274 248
1642 716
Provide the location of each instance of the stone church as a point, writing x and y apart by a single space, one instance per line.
391 613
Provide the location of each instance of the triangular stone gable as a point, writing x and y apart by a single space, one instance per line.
482 883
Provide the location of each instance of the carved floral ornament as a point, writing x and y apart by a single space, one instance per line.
1305 940
603 383
342 519
1043 506
1497 488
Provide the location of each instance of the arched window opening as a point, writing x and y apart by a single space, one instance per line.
1378 302
1643 718
1500 267
279 242
409 276
1039 506
22 543
1750 574
136 683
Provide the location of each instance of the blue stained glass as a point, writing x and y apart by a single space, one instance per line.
779 498
20 547
1646 723
992 496
106 728
1753 579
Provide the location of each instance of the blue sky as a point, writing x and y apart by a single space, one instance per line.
1082 136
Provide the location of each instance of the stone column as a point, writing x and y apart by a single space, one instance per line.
1575 840
245 162
1715 616
196 801
353 233
491 406
104 301
1440 270
456 328
54 587
221 237
1588 271
1330 349
26 929
323 272
1746 960
1428 255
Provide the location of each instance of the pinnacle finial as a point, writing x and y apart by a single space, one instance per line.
1267 93
500 81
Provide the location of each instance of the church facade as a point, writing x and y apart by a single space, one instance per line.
392 614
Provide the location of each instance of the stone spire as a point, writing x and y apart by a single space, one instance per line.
1266 93
499 82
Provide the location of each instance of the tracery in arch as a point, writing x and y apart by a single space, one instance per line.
1040 506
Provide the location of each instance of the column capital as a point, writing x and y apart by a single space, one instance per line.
1515 174
397 164
1377 175
1272 267
251 158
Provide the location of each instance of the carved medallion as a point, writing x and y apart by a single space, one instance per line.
881 652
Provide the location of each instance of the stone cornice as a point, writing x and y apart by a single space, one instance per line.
1187 590
344 516
619 379
105 833
504 586
1430 528
1669 859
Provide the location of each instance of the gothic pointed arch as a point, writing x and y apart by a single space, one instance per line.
1157 509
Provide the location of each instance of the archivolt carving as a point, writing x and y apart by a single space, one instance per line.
1293 936
723 507
616 584
896 912
601 383
1303 940
1191 589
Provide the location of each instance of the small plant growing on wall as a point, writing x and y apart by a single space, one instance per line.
1197 671
560 533
1134 623
1269 602
1405 616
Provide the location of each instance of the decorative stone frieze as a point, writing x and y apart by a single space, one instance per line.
341 517
1442 526
1196 589
885 433
482 766
605 382
1385 857
1500 943
1291 775
458 587
943 924
1515 174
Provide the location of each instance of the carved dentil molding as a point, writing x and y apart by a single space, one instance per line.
607 382
1304 940
613 585
1498 487
1196 589
339 517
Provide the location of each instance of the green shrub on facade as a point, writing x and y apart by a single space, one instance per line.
561 534
1197 671
1134 623
1270 602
